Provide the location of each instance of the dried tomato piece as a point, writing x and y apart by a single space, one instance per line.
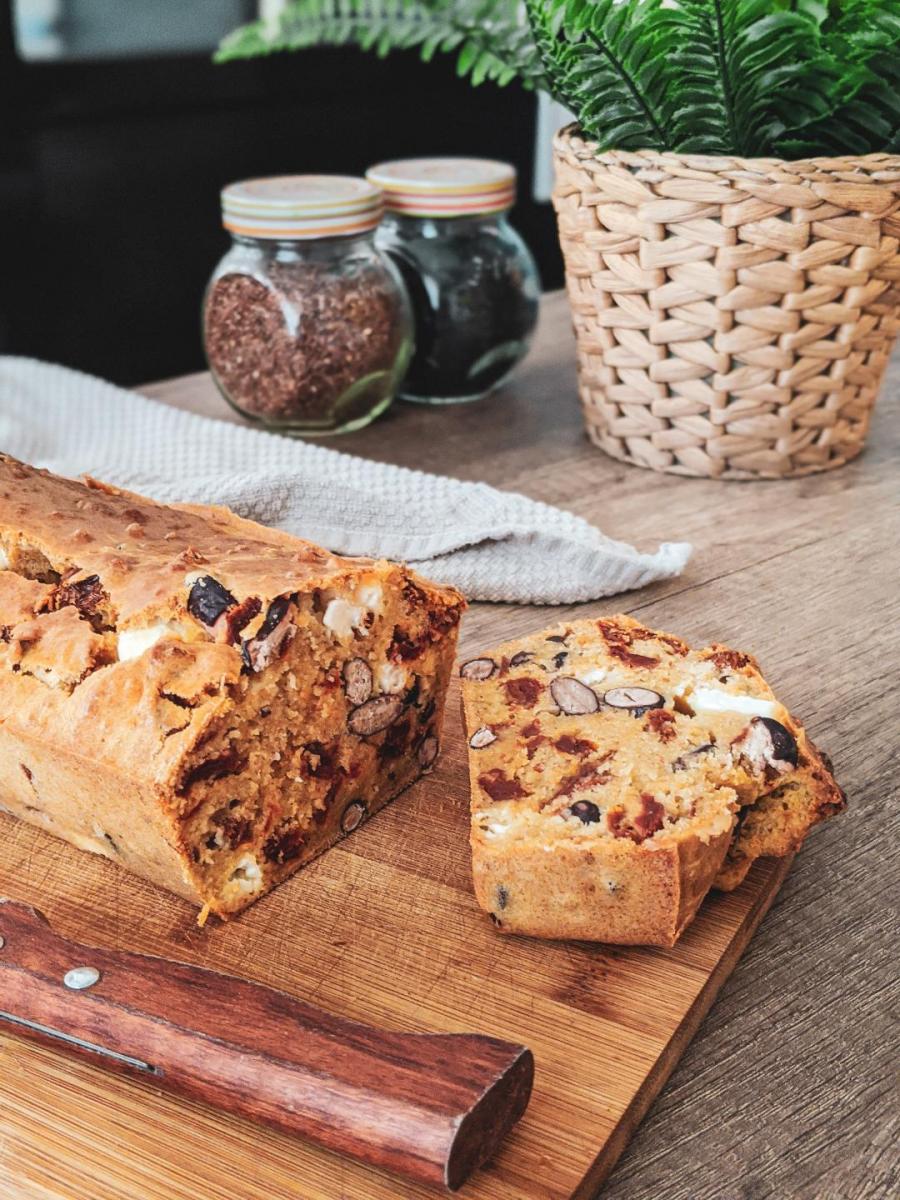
232 762
725 659
87 595
651 816
567 743
523 692
661 722
283 847
499 786
588 774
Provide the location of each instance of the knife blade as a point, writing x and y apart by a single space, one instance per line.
430 1107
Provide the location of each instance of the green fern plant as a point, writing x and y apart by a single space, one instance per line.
784 78
490 40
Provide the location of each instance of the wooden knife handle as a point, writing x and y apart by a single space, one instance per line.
431 1107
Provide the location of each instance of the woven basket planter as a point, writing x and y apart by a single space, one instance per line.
734 316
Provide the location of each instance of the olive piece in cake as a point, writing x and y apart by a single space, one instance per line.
208 600
586 812
711 773
767 743
277 629
427 752
375 715
684 761
478 668
573 697
637 700
352 816
482 737
358 680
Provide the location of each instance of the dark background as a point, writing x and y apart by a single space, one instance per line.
111 165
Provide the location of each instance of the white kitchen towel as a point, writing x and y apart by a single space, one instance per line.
492 545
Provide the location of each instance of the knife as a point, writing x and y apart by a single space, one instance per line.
431 1107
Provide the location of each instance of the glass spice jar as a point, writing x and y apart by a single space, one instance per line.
306 324
473 283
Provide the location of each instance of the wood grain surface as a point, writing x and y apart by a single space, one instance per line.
787 1089
428 1106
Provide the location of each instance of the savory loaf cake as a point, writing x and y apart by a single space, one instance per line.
205 701
617 775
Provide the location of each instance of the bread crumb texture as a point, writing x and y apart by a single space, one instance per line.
208 702
617 774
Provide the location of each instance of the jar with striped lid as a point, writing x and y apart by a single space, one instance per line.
472 281
306 323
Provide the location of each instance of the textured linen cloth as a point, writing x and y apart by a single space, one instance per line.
492 545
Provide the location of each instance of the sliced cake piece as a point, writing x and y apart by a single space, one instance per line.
207 702
617 775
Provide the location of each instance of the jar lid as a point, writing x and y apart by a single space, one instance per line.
445 187
301 206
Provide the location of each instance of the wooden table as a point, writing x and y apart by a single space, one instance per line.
785 1091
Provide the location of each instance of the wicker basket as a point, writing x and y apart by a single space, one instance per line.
734 316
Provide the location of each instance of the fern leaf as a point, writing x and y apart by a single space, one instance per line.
593 53
488 34
860 45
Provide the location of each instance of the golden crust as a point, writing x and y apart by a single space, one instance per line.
616 773
620 893
211 742
144 551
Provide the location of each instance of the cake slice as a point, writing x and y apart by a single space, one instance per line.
617 775
207 702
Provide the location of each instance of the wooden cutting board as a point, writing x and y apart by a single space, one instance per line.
383 929
801 572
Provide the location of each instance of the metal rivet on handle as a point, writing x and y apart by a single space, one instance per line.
80 978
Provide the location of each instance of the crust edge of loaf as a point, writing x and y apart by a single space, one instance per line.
660 895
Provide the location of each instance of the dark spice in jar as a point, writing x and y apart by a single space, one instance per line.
472 280
474 311
306 346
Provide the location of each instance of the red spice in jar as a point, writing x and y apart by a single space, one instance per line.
304 347
306 323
